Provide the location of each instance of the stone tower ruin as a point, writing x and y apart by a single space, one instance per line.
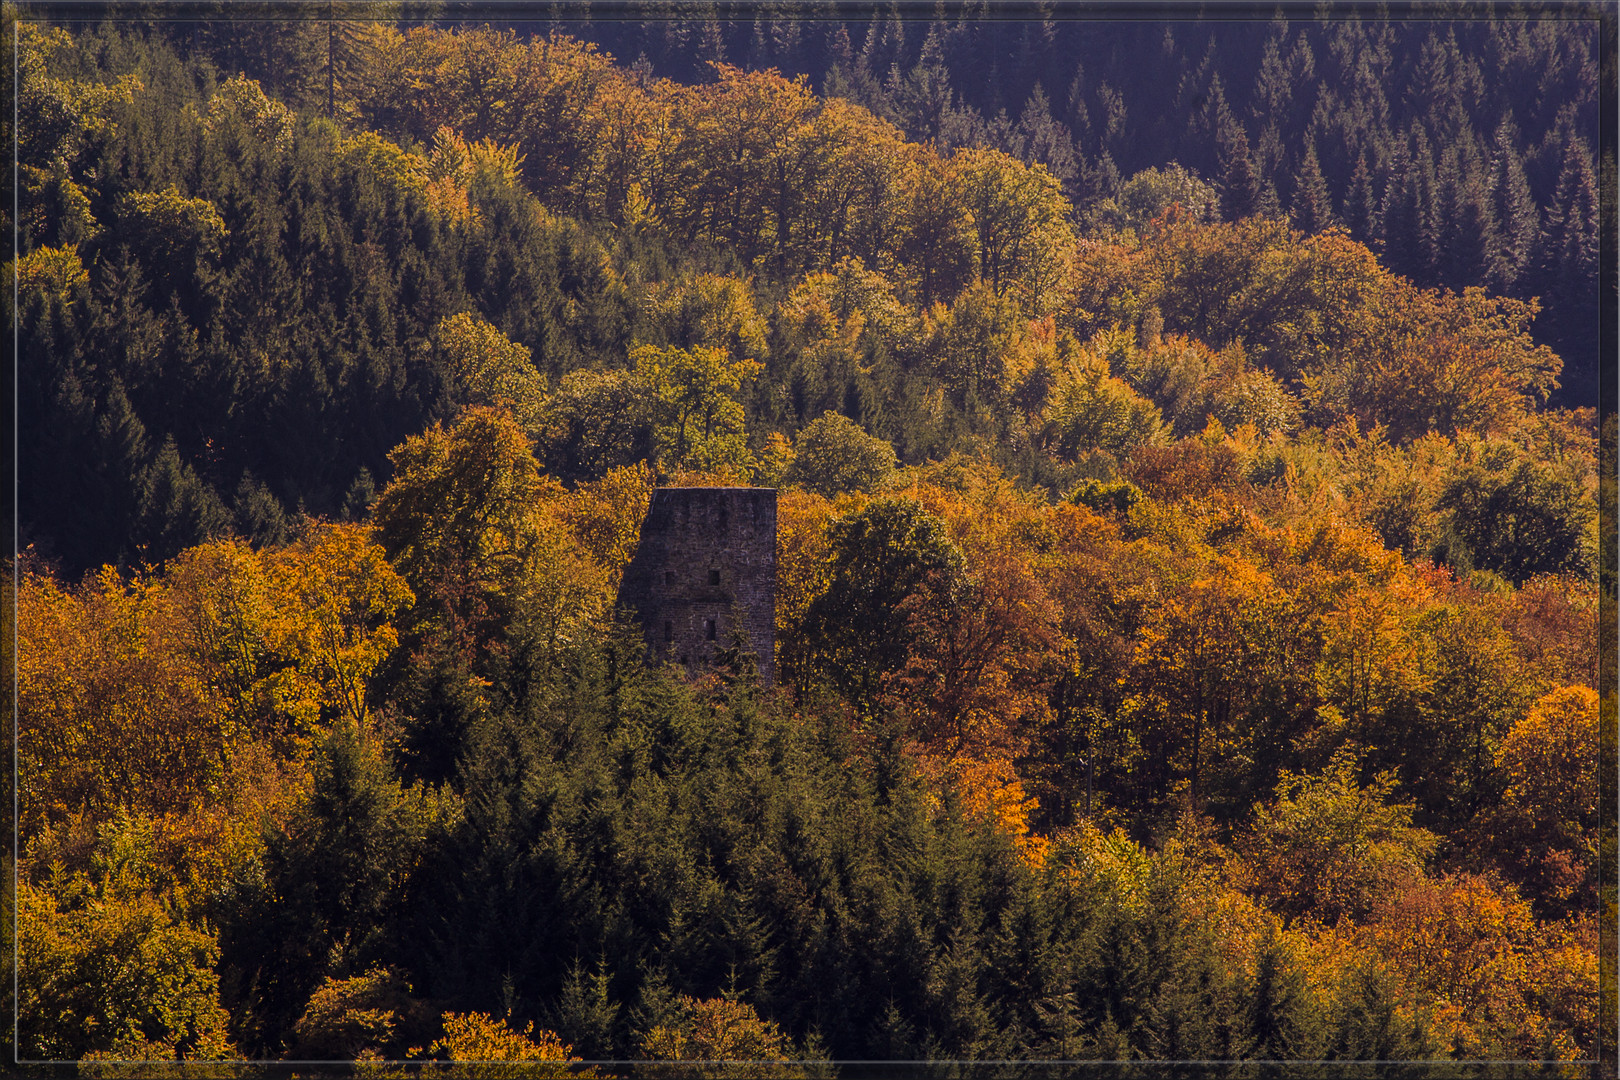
704 573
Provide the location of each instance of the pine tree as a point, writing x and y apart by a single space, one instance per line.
1273 91
1567 275
1426 194
1411 219
1570 246
922 103
1515 209
179 508
1360 204
1242 191
1104 180
1398 214
115 497
1470 243
1312 209
259 516
1282 1023
586 1016
1046 141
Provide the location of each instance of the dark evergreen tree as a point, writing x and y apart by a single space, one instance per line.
1312 208
330 894
1047 142
1471 243
1243 192
1281 1022
1515 209
1361 205
259 516
1426 191
179 510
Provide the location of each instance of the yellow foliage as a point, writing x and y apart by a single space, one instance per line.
55 271
490 369
452 164
346 1017
605 516
718 1030
244 99
502 1052
106 970
1550 756
111 706
1472 945
1087 852
292 634
802 554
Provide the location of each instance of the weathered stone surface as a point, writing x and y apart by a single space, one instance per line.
704 573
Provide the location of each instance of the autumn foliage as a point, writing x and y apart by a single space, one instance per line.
1187 628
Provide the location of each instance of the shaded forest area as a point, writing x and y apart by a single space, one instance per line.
1187 614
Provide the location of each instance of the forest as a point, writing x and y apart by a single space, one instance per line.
1189 561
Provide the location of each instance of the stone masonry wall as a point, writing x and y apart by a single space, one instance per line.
705 568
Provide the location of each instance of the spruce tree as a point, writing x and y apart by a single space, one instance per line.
1242 190
1046 141
1426 203
1360 204
1312 208
1470 247
1515 208
179 508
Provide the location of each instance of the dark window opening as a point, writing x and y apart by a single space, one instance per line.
714 577
708 629
669 577
669 631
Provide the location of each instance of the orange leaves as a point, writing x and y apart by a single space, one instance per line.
991 791
1459 937
143 692
1471 945
1203 656
751 160
111 706
984 651
1368 655
1320 312
977 673
1550 757
745 157
1435 361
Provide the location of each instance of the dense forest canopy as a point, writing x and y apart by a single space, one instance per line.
1462 145
1189 555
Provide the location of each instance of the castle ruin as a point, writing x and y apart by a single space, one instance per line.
704 575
